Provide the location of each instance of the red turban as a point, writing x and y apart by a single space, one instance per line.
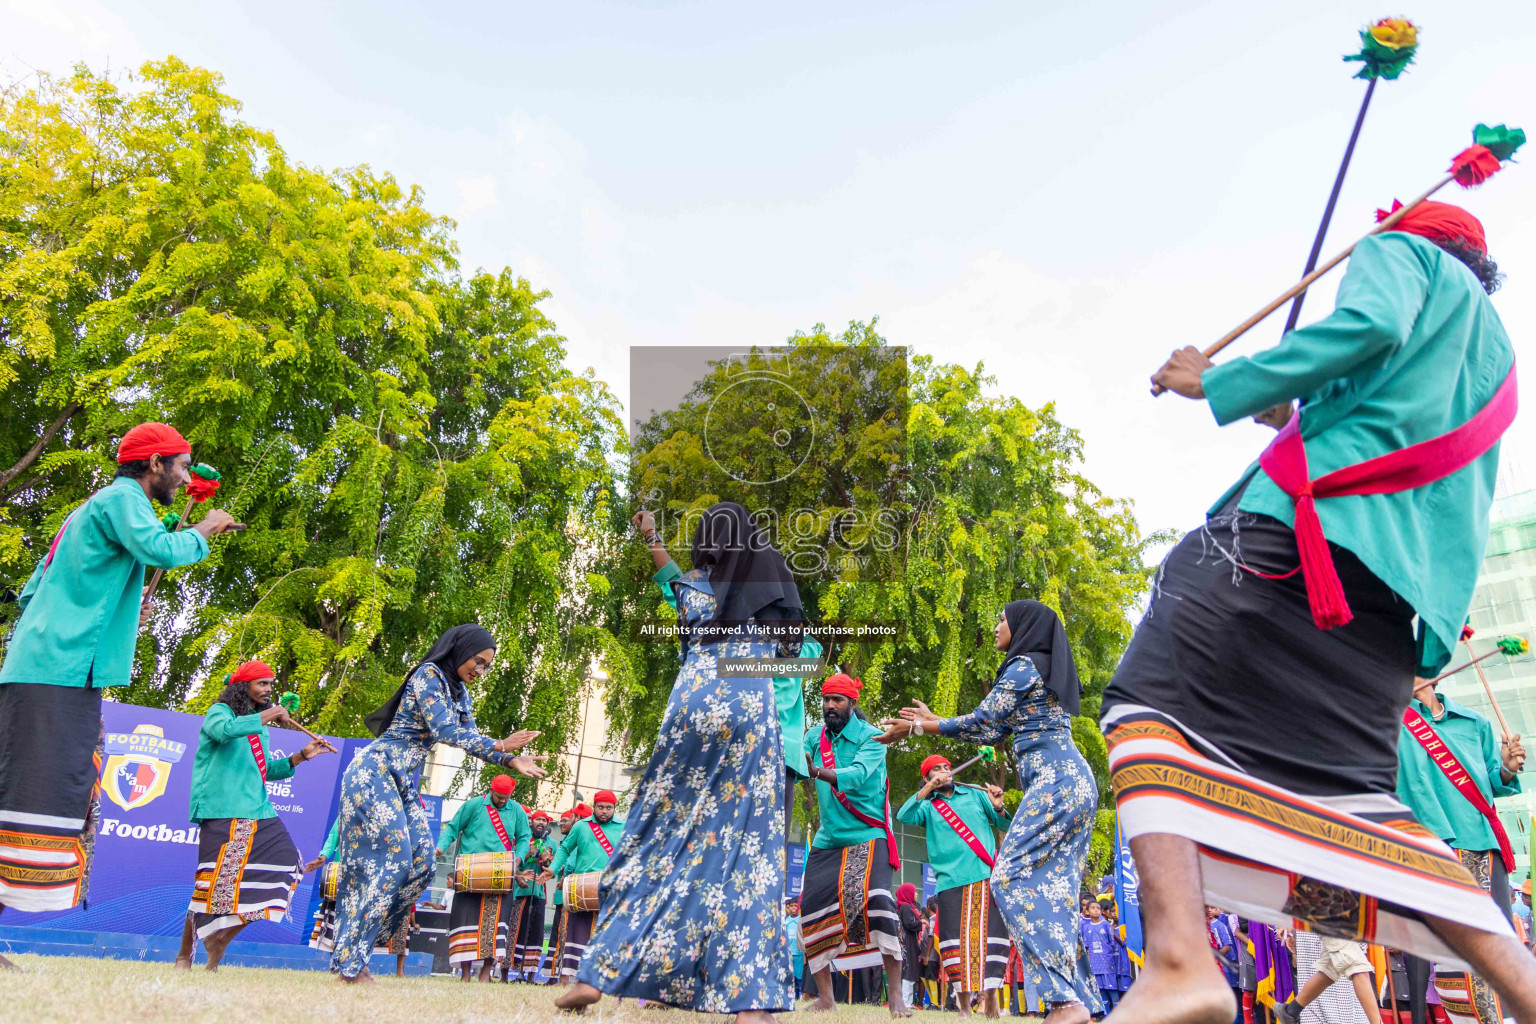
1439 222
583 811
605 797
252 670
148 439
843 685
539 816
502 784
568 814
930 761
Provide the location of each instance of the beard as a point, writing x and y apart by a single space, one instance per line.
163 489
603 817
500 801
540 830
836 720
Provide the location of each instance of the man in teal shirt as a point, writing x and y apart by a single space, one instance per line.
80 615
1494 768
1253 720
479 922
853 855
586 848
248 865
960 823
528 917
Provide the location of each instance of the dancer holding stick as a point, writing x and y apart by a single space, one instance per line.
1405 391
80 615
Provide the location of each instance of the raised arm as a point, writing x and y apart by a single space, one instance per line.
568 848
911 813
130 520
1378 301
989 722
221 724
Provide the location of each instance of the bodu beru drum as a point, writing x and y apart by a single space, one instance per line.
581 891
484 872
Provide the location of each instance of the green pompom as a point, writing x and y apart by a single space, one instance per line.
1514 646
171 520
290 702
987 754
1499 140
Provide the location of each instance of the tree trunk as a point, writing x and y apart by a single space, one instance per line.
38 446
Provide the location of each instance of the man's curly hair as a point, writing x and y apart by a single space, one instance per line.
1486 271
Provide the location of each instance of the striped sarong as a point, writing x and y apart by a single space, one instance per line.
50 798
247 870
1352 867
847 910
477 927
527 934
973 941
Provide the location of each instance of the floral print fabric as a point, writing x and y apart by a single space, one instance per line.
385 846
1039 867
692 902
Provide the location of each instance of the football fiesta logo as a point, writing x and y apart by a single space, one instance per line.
139 765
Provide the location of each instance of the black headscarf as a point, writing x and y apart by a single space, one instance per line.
452 649
1038 633
749 577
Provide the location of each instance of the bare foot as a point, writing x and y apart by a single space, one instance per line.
822 1005
755 1017
1166 997
362 979
183 963
900 1009
578 997
6 965
1074 1013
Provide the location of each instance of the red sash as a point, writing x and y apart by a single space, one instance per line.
501 830
1285 460
602 837
259 754
830 763
1441 754
962 830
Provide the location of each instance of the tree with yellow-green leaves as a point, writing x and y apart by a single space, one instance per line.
404 441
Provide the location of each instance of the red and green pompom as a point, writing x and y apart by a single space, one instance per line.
205 480
1387 48
1481 160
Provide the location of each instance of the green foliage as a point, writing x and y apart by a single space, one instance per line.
989 506
404 442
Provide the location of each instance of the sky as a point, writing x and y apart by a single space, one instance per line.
1063 195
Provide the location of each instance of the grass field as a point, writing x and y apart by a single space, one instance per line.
80 990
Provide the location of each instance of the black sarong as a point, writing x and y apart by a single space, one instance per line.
247 870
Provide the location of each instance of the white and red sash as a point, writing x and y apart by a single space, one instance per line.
830 763
602 837
501 830
962 829
1441 754
259 754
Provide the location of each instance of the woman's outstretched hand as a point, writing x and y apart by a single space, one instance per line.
895 729
528 764
517 741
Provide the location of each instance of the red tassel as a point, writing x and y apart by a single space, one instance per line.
1474 165
1325 593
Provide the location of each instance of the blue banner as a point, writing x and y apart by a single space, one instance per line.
146 849
796 878
1128 896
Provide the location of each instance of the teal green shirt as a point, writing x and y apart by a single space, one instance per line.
226 779
531 863
473 829
80 618
328 851
860 761
1431 796
1412 350
954 862
788 693
580 851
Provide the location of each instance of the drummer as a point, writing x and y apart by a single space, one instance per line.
528 914
585 850
478 920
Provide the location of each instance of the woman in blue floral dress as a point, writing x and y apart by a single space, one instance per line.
385 845
1039 867
692 902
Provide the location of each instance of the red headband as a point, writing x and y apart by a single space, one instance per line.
930 761
252 670
605 797
148 439
1439 222
502 784
843 685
